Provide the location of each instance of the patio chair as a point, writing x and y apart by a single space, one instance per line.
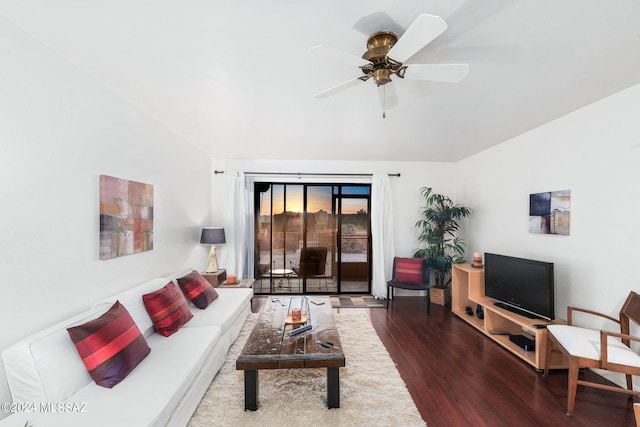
313 264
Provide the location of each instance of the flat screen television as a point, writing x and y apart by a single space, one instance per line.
523 286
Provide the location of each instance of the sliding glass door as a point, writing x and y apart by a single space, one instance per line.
312 238
354 238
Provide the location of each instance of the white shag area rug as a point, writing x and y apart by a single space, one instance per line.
371 390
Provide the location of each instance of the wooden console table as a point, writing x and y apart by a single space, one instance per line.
467 290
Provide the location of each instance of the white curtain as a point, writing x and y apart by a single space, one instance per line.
381 234
235 224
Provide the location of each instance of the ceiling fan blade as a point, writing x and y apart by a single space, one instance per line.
450 73
338 88
419 34
327 53
388 97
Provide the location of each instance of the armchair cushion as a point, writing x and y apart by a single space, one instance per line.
585 343
408 270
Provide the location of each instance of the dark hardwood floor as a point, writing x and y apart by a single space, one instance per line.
459 377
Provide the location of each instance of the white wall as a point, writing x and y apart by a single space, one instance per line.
595 153
406 188
60 130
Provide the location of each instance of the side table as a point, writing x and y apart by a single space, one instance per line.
244 283
215 278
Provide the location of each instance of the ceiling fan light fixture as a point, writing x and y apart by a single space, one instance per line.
382 76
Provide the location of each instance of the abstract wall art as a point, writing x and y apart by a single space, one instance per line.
549 213
126 217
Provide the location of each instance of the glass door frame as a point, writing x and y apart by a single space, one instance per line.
338 218
335 227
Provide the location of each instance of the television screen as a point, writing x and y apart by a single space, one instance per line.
523 286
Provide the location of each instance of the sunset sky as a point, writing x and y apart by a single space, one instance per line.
318 198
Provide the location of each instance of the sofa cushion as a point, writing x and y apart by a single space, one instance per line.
167 309
231 309
110 346
409 270
132 300
223 311
45 366
197 289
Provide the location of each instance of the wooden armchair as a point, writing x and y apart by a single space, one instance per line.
412 274
588 348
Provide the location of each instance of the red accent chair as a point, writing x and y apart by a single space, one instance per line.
411 274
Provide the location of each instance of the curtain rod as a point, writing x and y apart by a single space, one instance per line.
308 174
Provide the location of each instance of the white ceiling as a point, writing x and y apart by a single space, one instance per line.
234 77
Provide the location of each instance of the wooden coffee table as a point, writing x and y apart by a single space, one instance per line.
271 345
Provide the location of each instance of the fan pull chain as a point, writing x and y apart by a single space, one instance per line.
384 102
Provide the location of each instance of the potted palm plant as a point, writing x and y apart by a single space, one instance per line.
437 229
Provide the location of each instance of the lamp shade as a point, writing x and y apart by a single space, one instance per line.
212 235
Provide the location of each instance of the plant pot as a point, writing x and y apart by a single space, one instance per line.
440 296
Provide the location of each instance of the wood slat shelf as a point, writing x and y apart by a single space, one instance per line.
467 290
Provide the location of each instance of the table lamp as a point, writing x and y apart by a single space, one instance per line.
212 236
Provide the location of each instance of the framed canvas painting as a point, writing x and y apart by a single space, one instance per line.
126 217
550 212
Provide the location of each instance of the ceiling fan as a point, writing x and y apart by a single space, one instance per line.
387 54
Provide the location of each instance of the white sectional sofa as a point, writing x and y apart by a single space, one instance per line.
51 387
